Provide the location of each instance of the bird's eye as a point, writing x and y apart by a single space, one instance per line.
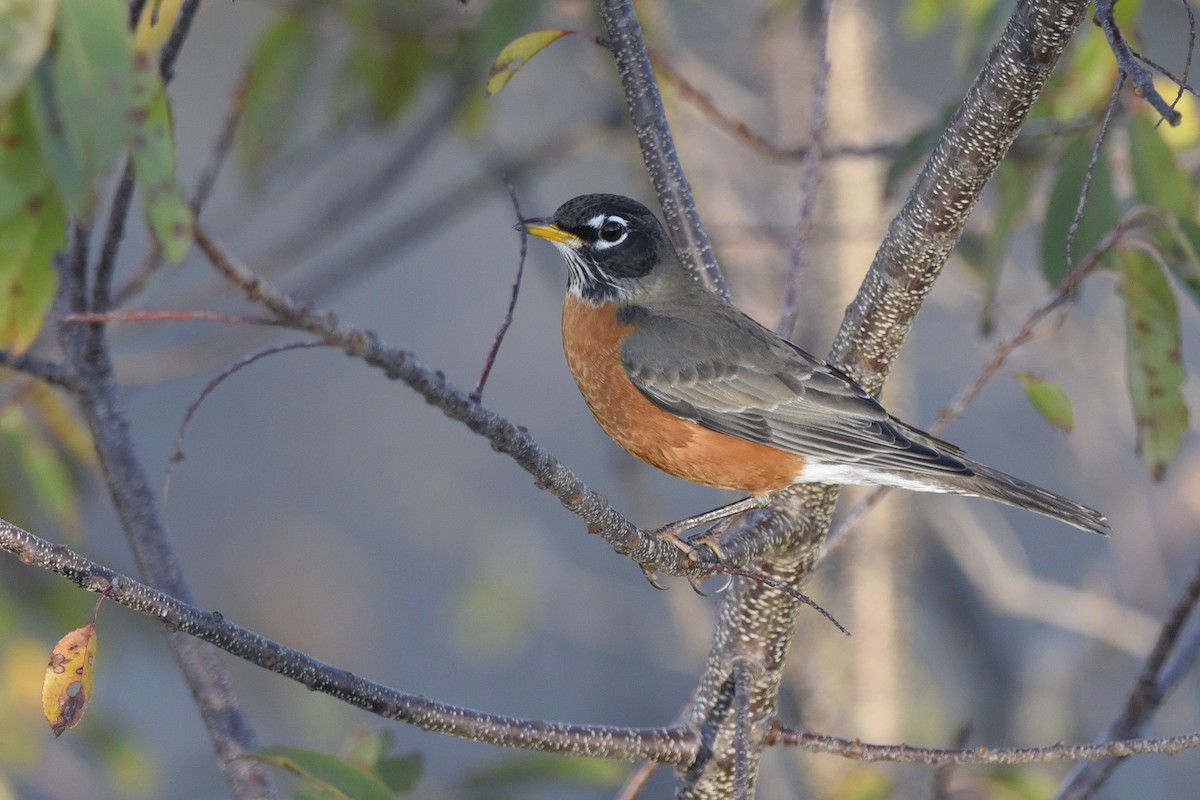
612 230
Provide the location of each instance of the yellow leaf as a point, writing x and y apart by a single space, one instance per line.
25 27
69 678
155 25
517 53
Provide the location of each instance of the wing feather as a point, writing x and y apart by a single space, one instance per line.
723 370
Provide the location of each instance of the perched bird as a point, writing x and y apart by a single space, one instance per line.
688 383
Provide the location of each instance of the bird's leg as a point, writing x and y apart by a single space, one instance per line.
723 516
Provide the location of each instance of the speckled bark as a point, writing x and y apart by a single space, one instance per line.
658 148
756 622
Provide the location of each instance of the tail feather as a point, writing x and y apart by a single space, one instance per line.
1003 488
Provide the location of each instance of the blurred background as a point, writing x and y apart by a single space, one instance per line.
332 510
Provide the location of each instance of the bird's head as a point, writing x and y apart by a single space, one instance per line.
615 248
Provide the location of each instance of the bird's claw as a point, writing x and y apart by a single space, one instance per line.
651 575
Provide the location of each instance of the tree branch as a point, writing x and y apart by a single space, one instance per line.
658 148
49 371
858 750
671 745
87 358
754 620
1139 76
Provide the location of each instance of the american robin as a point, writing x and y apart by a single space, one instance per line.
688 383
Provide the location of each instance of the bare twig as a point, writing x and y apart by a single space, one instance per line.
1090 172
810 181
177 451
50 371
632 788
87 357
859 750
117 214
1027 331
490 360
170 51
766 580
1180 81
1143 84
756 141
1148 693
168 316
658 148
672 745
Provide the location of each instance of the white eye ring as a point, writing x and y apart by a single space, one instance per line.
610 231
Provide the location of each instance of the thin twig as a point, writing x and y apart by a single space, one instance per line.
859 750
168 316
1148 693
743 133
494 350
670 745
1143 83
1180 81
632 788
810 181
177 451
171 50
54 372
117 214
1090 172
790 591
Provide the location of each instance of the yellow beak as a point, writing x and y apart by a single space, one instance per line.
545 229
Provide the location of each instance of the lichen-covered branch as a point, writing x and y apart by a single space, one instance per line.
672 745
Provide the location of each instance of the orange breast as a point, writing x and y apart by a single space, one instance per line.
592 338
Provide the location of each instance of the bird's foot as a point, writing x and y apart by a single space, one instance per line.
700 551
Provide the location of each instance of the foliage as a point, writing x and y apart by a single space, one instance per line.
81 95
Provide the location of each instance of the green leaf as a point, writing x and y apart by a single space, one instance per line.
276 81
517 53
32 228
1153 362
400 772
1049 399
81 97
326 772
1099 214
25 27
152 150
1157 177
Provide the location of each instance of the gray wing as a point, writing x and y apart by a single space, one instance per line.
726 372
